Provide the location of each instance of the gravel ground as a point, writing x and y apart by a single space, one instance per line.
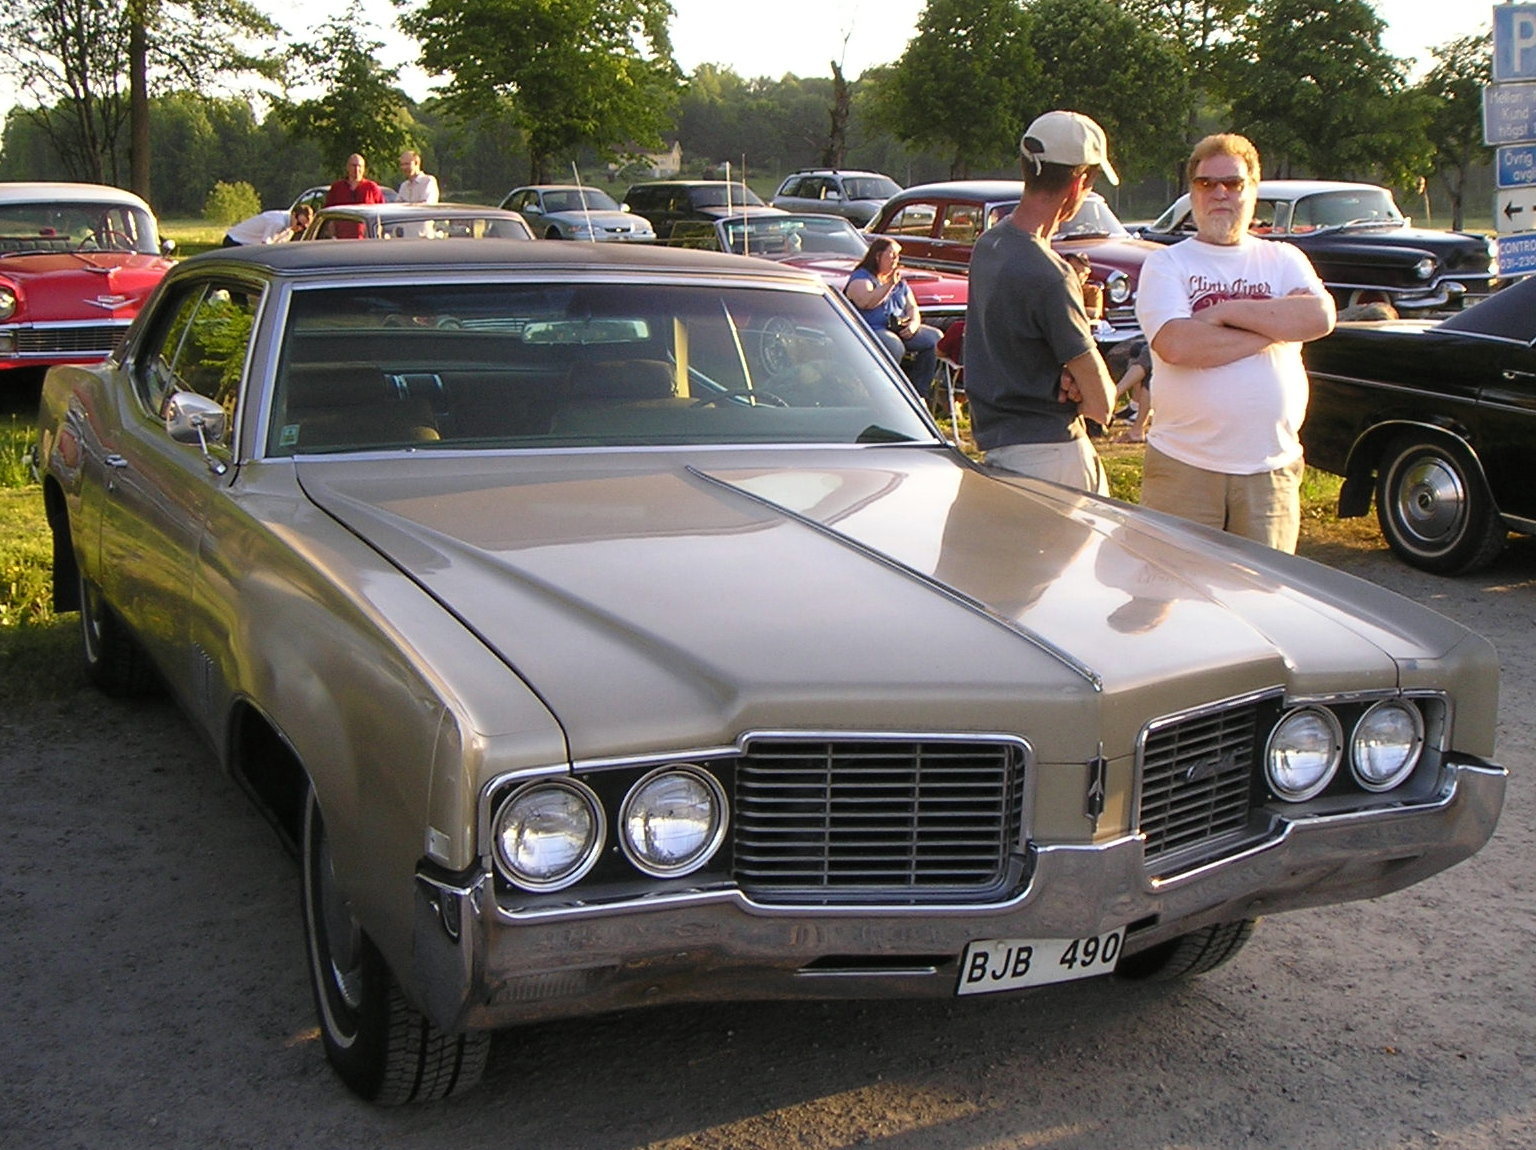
154 994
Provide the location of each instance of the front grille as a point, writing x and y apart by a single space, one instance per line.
81 339
876 818
1197 782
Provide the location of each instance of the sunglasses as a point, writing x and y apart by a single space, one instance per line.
1211 183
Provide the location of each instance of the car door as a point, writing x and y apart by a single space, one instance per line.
158 489
915 224
1506 433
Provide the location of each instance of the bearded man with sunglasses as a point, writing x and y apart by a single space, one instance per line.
1226 314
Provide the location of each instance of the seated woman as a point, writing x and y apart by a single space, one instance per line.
888 306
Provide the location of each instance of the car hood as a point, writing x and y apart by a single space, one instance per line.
83 285
1365 242
670 604
603 219
930 288
1127 253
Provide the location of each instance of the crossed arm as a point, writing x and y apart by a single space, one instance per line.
1237 328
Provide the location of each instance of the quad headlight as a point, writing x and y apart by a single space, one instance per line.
549 834
673 820
1386 744
1303 753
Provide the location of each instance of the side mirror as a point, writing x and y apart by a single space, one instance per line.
167 247
193 418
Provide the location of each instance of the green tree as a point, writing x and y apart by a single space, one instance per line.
359 106
1311 85
186 42
960 87
569 73
1196 31
1099 60
1455 88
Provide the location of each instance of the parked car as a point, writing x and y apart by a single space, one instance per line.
315 196
610 626
830 246
665 203
938 224
398 221
1438 420
77 262
576 212
1361 245
854 195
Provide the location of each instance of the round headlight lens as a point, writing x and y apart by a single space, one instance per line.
1303 753
7 302
1386 746
1118 287
672 821
1424 268
548 834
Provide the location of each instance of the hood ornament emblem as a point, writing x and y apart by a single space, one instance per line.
109 302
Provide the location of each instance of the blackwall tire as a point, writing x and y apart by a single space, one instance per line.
1188 955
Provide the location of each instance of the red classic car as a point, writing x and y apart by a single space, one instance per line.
938 223
76 263
828 245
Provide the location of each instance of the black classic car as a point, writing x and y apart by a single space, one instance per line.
1439 420
1362 246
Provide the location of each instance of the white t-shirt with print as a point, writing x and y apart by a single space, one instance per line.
1244 417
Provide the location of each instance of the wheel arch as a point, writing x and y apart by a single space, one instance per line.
269 770
66 568
1365 455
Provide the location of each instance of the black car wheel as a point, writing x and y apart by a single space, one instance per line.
1434 508
114 661
384 1049
1189 954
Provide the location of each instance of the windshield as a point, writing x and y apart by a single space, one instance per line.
572 199
86 227
1331 210
1094 218
870 187
786 236
715 195
537 366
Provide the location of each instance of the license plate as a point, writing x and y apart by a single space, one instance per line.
994 964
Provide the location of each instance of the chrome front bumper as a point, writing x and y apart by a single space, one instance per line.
478 967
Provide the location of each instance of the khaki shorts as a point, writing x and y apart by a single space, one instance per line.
1074 463
1265 507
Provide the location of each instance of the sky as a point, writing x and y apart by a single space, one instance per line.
803 37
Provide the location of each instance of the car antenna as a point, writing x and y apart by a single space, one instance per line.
586 208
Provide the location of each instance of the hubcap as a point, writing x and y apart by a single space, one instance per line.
1431 501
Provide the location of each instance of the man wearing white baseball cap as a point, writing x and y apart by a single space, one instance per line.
1032 369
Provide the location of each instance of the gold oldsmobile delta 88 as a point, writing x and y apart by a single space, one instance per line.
608 627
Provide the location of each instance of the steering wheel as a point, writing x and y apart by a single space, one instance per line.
106 239
754 398
778 340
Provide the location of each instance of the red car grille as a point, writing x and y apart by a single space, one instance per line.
82 339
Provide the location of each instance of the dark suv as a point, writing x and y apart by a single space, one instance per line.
854 195
666 202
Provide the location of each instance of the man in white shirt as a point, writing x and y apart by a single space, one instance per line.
272 227
1226 313
417 187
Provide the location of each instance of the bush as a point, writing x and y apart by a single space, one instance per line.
230 203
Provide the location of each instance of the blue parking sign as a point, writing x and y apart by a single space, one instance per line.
1514 42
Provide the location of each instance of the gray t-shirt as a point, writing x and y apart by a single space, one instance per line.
1024 321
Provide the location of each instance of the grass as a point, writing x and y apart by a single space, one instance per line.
192 236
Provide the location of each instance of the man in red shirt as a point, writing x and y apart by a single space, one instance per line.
355 188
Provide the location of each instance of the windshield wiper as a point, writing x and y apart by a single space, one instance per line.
874 433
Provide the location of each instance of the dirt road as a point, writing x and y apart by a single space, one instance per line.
153 994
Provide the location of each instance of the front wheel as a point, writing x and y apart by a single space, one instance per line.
1189 954
1434 508
384 1049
